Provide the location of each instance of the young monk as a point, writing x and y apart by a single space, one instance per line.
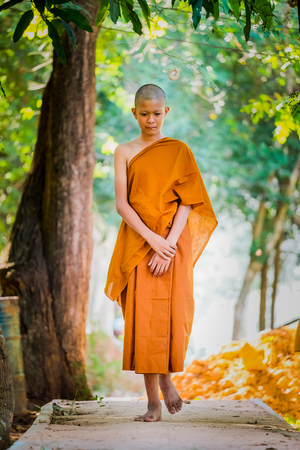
167 221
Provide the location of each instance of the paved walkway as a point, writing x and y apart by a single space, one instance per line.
201 425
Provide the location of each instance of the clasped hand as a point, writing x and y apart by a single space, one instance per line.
164 251
158 265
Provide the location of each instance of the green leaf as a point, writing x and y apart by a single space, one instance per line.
265 11
235 8
9 4
53 34
225 6
114 10
79 8
196 17
295 109
208 6
173 3
70 33
61 13
216 9
197 7
102 12
1 88
137 25
70 15
145 10
247 27
130 15
58 25
40 5
126 7
23 23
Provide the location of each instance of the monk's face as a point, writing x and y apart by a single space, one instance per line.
150 115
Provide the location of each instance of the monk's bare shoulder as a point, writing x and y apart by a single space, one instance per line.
120 150
126 151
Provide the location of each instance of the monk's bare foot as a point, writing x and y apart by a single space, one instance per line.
172 399
152 415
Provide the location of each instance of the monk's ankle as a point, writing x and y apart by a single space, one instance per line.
165 381
154 404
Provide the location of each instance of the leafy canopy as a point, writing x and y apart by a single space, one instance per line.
58 14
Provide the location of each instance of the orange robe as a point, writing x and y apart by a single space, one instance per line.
158 311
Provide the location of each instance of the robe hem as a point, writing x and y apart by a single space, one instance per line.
162 373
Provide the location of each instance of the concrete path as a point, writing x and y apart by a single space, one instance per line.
201 425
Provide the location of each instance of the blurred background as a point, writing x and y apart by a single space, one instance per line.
227 101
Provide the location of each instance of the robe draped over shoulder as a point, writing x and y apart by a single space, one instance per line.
160 178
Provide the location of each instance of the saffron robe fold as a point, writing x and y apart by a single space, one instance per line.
158 311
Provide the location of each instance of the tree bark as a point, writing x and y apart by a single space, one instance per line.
50 252
253 268
263 296
7 402
277 267
255 265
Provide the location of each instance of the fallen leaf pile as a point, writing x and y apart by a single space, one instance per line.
267 369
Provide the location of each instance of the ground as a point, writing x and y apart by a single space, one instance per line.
203 425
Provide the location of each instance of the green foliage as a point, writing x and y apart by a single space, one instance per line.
53 34
71 15
196 8
66 11
70 34
258 11
247 27
9 4
145 10
23 24
293 421
24 72
114 9
103 10
294 104
235 7
2 90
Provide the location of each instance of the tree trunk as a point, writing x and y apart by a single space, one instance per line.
255 264
277 267
263 296
253 268
7 401
49 259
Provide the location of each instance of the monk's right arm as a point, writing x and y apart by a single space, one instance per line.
162 246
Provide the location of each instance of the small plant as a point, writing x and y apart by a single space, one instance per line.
72 409
99 400
60 414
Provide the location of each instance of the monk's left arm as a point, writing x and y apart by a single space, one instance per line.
179 222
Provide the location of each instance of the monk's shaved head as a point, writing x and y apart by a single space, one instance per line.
149 92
